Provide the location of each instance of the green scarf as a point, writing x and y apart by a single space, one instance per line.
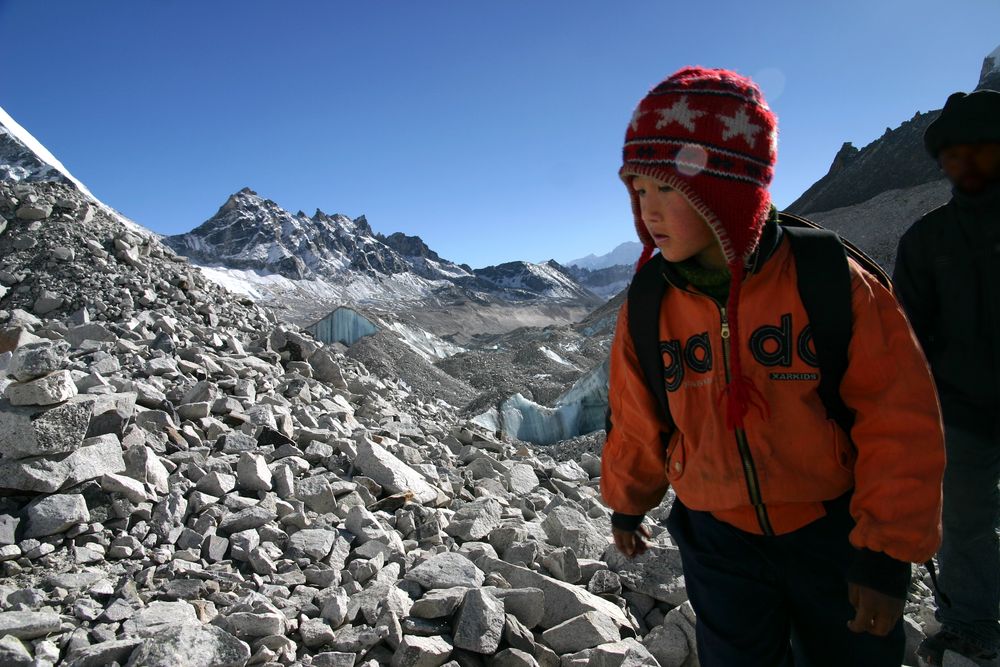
713 282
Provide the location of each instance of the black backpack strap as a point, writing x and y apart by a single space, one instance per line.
824 281
645 294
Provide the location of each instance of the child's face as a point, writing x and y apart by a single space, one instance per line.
678 230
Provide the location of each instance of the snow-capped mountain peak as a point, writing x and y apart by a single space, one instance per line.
624 253
989 78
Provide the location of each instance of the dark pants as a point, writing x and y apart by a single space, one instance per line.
776 601
970 551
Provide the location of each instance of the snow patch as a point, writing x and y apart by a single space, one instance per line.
555 357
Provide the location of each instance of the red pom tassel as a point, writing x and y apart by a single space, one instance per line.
740 394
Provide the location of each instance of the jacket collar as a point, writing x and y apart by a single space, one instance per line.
986 201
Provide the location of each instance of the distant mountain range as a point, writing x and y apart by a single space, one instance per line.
624 253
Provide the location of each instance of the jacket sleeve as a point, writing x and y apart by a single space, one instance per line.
898 431
914 287
633 479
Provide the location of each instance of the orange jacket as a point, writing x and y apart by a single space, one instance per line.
796 458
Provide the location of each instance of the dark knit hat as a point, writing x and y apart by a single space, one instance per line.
709 134
972 118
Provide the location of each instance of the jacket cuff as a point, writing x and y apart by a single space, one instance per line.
880 571
629 522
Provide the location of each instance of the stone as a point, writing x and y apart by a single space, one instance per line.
516 635
475 520
447 570
421 652
657 573
527 605
562 564
581 632
264 621
512 657
216 484
562 601
191 646
168 515
248 519
570 471
335 609
93 331
313 542
48 474
143 464
36 360
669 645
159 615
568 527
130 488
104 653
333 659
96 457
316 492
252 473
8 529
479 623
624 653
13 652
55 514
605 582
358 639
521 479
28 624
315 633
326 368
37 211
46 303
392 474
30 431
47 390
438 603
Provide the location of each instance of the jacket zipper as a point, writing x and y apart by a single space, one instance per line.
749 470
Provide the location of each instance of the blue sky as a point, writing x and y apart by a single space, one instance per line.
491 129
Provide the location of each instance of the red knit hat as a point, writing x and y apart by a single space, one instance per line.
709 135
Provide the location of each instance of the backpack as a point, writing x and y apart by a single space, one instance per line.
824 283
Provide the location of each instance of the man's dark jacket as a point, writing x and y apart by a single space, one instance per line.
947 277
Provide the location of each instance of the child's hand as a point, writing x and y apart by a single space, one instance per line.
877 613
631 542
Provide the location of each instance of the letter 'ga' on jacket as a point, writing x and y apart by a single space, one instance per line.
800 457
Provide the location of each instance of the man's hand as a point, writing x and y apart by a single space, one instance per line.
631 542
877 613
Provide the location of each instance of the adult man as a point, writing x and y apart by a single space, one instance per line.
947 277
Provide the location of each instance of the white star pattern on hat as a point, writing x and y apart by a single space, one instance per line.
679 113
739 124
636 115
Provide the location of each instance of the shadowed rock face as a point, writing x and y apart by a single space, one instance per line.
896 160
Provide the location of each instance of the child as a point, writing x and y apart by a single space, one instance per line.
796 544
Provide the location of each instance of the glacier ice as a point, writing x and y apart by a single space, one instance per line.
578 411
343 325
